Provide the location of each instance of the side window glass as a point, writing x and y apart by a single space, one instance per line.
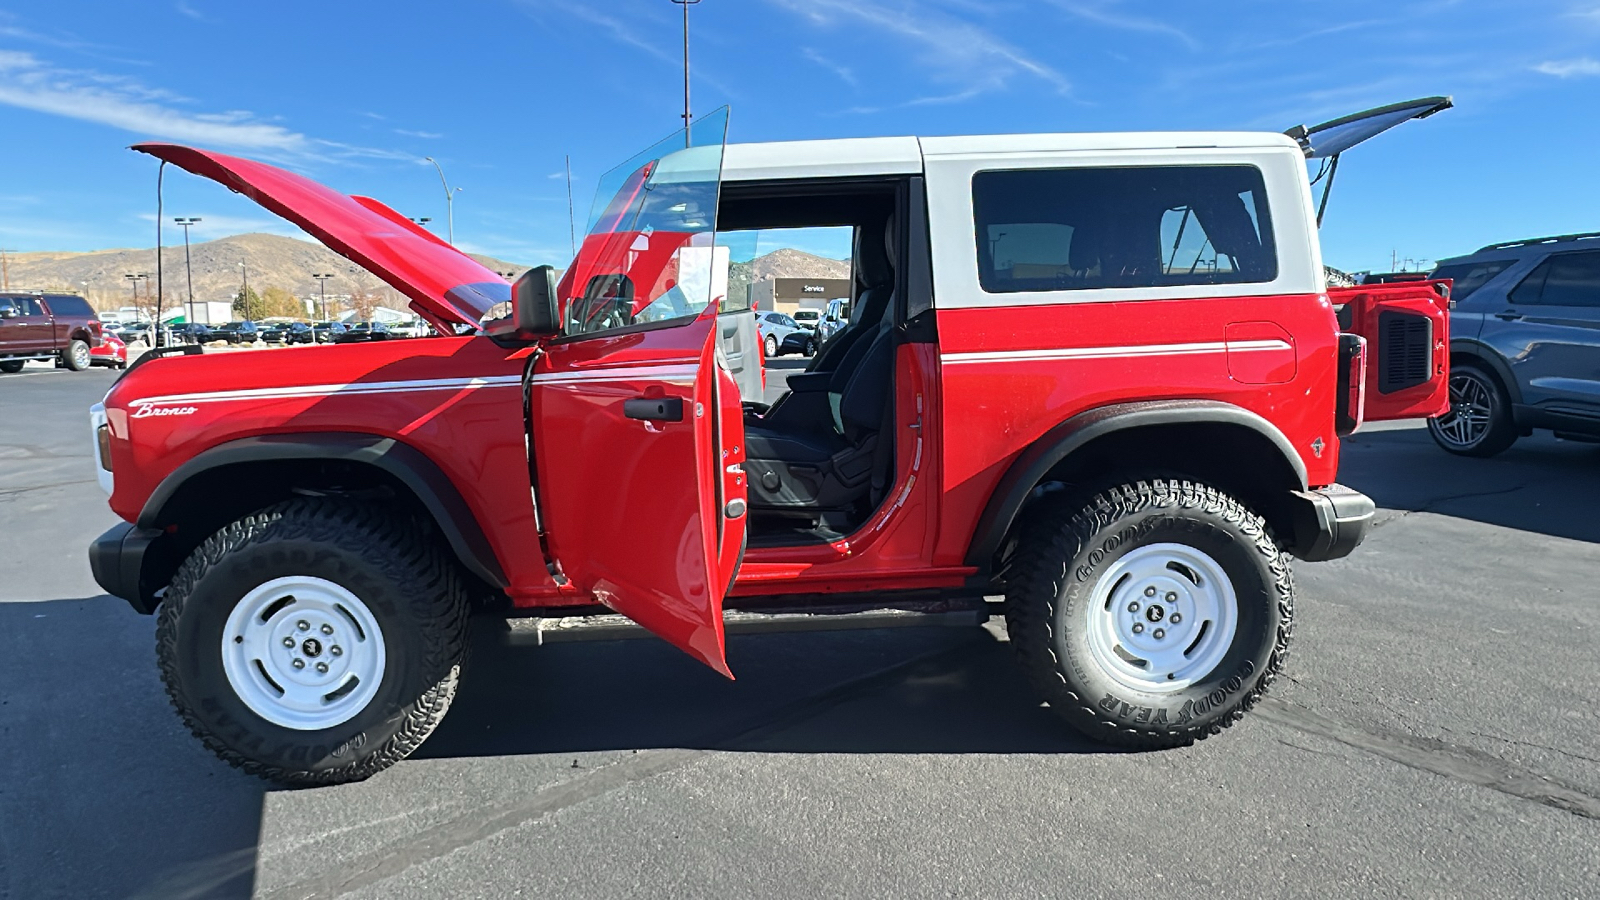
780 269
1574 280
28 306
1466 278
1529 291
1152 226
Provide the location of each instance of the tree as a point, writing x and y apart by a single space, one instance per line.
275 301
247 304
364 301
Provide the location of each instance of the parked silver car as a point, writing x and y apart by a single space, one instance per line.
781 334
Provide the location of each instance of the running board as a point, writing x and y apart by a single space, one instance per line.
962 613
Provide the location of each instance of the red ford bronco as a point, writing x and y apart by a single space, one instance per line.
1093 383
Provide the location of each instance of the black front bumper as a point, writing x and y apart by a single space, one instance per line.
120 560
1330 522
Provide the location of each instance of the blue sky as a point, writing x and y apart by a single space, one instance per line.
356 93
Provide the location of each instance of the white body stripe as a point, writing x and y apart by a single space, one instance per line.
1142 350
675 374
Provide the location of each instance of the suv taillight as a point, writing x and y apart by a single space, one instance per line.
1352 405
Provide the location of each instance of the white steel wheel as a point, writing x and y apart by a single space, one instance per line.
1162 617
303 652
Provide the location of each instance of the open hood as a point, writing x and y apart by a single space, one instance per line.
444 284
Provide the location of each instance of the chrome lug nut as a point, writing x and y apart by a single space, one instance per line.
1149 592
1134 606
299 663
335 650
289 642
303 625
1159 633
1171 597
1138 628
327 629
322 668
1175 618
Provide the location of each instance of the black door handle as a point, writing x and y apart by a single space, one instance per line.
1509 315
654 409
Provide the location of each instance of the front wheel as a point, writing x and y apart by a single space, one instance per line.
771 346
1153 615
1479 421
76 356
811 346
314 642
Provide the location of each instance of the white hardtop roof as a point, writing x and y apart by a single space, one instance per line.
903 155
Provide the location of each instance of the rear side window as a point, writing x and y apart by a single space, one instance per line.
1149 226
71 307
1468 277
1565 279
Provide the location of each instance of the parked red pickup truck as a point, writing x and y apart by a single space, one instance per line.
36 326
1092 383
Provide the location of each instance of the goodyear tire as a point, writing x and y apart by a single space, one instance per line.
1154 615
314 642
75 355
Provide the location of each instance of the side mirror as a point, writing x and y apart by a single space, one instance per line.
8 312
534 312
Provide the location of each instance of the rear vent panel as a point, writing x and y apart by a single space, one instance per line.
1405 351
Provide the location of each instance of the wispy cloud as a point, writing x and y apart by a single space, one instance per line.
954 50
189 10
1108 14
427 135
625 30
1570 68
27 82
844 73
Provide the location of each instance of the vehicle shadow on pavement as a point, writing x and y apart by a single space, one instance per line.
899 691
1541 485
103 792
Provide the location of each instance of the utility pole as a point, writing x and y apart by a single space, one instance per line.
686 4
322 283
450 197
188 272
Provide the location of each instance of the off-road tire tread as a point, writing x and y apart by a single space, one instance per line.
1042 564
373 530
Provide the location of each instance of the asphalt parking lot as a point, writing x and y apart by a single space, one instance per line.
1439 734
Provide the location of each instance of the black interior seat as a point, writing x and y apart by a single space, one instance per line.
814 450
874 271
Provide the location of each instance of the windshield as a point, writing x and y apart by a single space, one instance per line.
649 254
1468 277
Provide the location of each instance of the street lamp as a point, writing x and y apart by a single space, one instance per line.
686 4
134 278
450 197
322 284
188 273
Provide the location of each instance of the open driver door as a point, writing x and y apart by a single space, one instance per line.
637 431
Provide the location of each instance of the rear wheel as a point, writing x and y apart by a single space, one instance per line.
315 642
1479 421
76 356
1153 615
811 346
12 366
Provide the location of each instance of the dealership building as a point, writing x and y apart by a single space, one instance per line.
786 295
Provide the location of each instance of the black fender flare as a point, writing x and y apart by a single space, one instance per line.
405 463
1011 493
1480 352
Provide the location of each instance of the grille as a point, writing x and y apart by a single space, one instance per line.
1405 351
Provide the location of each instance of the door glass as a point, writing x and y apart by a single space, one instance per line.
1528 292
1573 280
649 255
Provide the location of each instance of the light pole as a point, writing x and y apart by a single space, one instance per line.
322 284
686 4
244 292
133 279
188 273
449 199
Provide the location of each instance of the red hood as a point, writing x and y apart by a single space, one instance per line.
442 282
